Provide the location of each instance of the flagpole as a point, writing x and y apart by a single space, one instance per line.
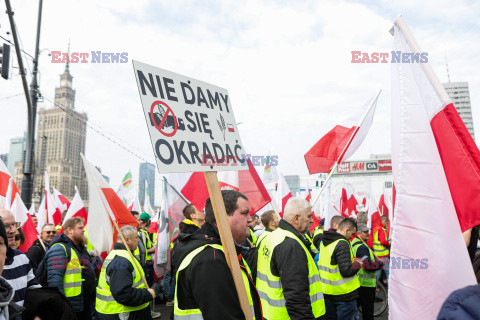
427 68
325 184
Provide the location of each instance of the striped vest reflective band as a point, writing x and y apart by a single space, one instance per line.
367 278
196 314
105 303
378 248
72 280
270 287
254 238
145 238
333 283
312 246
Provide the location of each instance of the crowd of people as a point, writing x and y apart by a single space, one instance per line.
289 271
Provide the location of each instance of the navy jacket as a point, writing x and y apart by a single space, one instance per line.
56 261
461 304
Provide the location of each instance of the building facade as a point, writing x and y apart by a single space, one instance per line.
15 153
459 93
61 137
147 172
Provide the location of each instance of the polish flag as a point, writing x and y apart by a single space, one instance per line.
340 143
135 205
60 200
107 207
194 188
283 193
4 183
344 203
19 211
48 212
437 182
382 206
77 208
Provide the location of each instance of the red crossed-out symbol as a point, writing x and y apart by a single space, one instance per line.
164 118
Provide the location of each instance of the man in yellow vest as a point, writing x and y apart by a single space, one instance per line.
204 284
194 219
337 270
381 246
287 277
270 221
143 227
69 267
367 275
121 293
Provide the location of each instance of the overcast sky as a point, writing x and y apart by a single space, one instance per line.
286 64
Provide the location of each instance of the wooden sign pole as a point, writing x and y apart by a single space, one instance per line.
227 240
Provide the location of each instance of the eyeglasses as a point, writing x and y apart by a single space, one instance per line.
15 225
17 237
50 232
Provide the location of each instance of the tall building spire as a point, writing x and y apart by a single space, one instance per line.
448 72
67 66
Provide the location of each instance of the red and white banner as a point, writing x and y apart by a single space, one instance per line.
48 212
340 143
77 208
437 183
60 200
194 188
107 207
283 194
4 182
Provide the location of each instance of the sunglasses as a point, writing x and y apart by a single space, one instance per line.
50 232
17 237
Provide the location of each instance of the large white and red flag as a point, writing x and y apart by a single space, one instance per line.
106 207
340 143
20 212
437 182
77 208
283 194
60 200
48 212
4 183
194 188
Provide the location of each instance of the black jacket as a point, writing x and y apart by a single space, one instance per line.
290 263
341 256
119 273
368 264
187 227
48 303
207 283
36 253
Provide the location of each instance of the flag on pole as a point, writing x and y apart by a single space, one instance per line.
135 205
437 181
4 183
126 186
105 206
270 174
10 199
48 212
283 194
382 206
340 143
77 208
194 188
60 200
173 203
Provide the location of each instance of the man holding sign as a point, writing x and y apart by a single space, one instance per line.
205 284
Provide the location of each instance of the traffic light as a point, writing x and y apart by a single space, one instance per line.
4 60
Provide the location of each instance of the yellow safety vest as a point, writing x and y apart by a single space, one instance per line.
378 248
196 314
312 246
89 244
367 278
316 232
263 236
333 283
270 287
72 280
105 303
146 243
254 239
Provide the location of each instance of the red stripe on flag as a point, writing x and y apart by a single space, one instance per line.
461 163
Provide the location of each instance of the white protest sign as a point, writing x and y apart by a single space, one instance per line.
191 123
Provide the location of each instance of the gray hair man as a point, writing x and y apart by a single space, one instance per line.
287 277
